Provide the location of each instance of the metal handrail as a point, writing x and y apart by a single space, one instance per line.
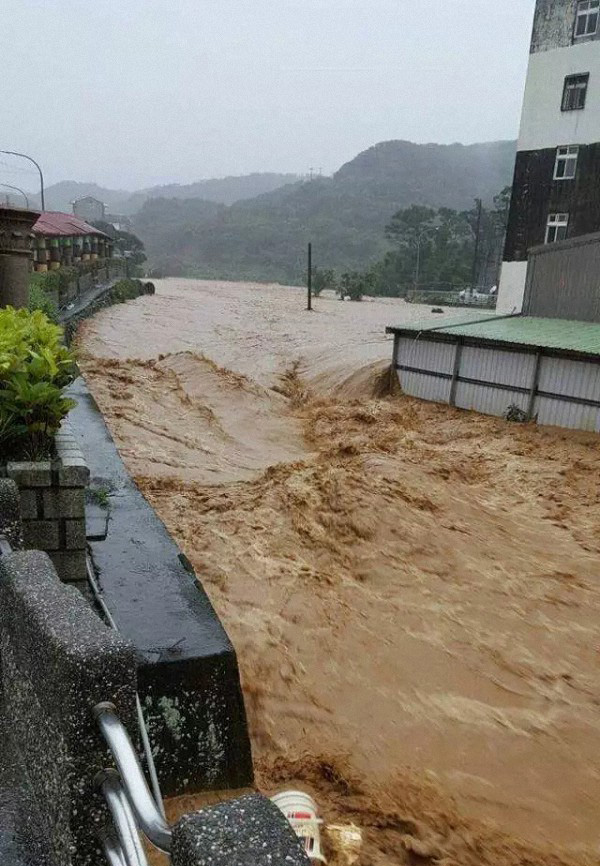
129 846
113 850
149 818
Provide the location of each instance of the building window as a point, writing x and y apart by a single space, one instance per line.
588 14
575 92
556 229
566 162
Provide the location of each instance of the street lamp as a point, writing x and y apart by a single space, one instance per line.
17 189
420 237
31 159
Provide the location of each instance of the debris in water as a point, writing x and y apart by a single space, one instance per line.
345 842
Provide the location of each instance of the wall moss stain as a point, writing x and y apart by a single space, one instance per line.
553 25
173 718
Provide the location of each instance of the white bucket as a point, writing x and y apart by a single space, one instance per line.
301 811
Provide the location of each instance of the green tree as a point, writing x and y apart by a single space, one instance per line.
322 278
356 284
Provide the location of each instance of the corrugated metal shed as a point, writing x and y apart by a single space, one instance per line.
548 368
57 224
531 331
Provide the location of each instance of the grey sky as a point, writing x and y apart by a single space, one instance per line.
131 93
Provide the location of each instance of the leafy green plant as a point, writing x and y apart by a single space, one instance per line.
322 278
34 369
125 290
355 284
39 300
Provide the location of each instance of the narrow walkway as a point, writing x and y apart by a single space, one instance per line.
84 300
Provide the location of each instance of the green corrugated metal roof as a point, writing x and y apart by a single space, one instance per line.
437 323
526 331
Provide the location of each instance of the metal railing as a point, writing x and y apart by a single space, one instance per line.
122 843
5 547
128 786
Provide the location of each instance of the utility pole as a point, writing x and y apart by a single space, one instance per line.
420 237
309 307
476 250
31 159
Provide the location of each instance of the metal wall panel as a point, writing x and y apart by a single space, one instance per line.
563 281
577 379
426 355
560 413
425 387
572 378
489 401
495 365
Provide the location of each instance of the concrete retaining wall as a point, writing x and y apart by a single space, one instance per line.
70 319
189 682
57 660
106 271
52 497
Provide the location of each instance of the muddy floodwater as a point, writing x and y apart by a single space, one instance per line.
413 591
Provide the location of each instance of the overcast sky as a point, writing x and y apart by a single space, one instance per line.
132 93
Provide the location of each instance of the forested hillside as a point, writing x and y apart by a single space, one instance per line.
344 216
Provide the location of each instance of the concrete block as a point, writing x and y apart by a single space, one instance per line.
73 472
70 565
248 831
75 535
65 502
29 503
96 522
30 474
41 535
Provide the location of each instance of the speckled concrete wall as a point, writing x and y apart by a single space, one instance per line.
10 513
249 831
57 661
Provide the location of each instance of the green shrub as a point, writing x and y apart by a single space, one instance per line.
39 300
355 284
125 290
34 368
322 278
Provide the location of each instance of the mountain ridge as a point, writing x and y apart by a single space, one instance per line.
344 215
225 190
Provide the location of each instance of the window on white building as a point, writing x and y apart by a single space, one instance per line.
588 16
575 92
566 162
556 229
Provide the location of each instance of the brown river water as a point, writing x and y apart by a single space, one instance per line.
413 591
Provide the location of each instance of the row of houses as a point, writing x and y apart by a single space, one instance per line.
63 240
539 356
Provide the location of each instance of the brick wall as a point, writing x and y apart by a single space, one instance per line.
53 505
